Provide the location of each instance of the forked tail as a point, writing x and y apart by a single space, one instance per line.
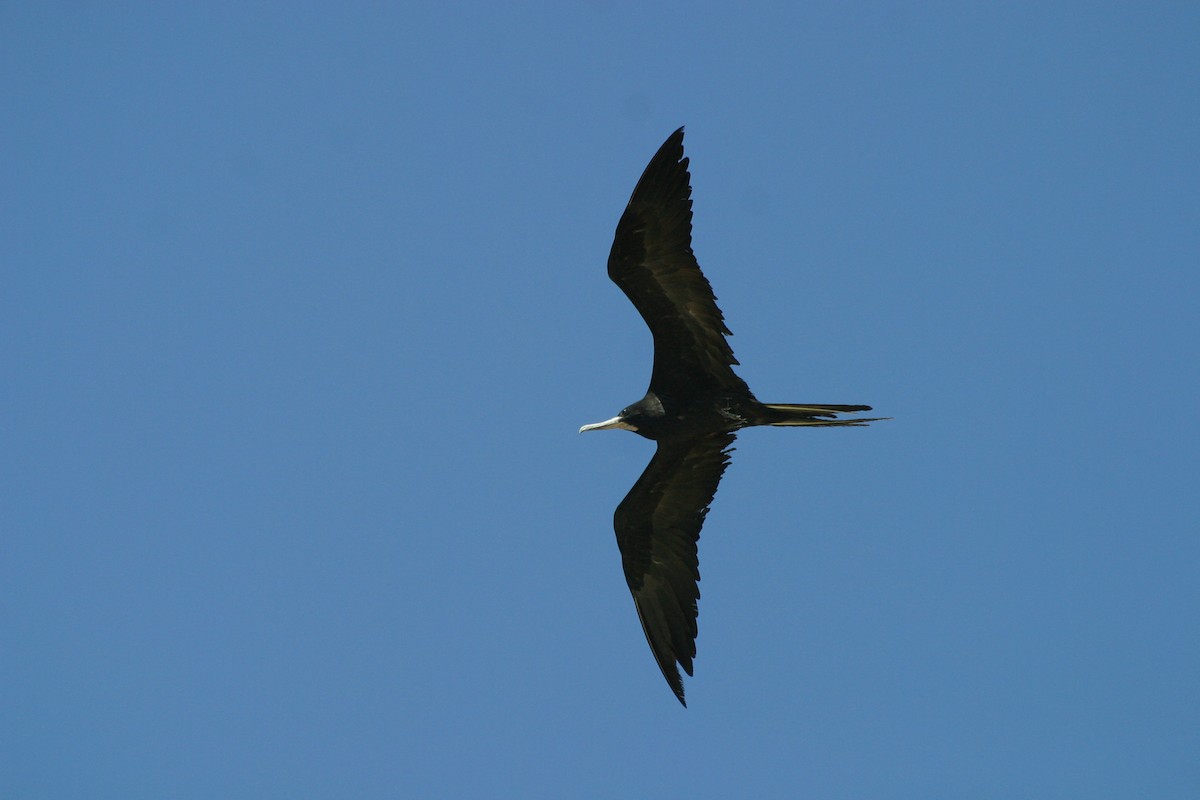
788 415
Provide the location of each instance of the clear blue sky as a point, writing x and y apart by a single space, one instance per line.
301 309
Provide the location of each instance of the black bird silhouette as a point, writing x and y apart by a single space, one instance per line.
693 408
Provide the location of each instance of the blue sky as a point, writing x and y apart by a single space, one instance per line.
302 308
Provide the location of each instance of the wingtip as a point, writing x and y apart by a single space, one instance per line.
676 688
675 680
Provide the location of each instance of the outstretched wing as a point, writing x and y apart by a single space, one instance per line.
652 261
658 524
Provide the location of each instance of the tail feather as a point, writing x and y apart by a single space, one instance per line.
789 415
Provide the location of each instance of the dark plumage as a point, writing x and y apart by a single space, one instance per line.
693 408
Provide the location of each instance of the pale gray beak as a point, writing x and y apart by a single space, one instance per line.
608 424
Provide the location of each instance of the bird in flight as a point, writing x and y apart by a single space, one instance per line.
693 409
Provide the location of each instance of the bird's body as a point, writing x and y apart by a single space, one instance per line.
693 408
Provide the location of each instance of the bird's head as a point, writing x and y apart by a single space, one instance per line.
639 418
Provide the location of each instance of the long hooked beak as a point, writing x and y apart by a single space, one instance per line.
608 424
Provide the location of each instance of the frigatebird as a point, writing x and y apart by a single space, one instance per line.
693 408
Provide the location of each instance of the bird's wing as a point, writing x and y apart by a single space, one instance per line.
658 524
652 261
